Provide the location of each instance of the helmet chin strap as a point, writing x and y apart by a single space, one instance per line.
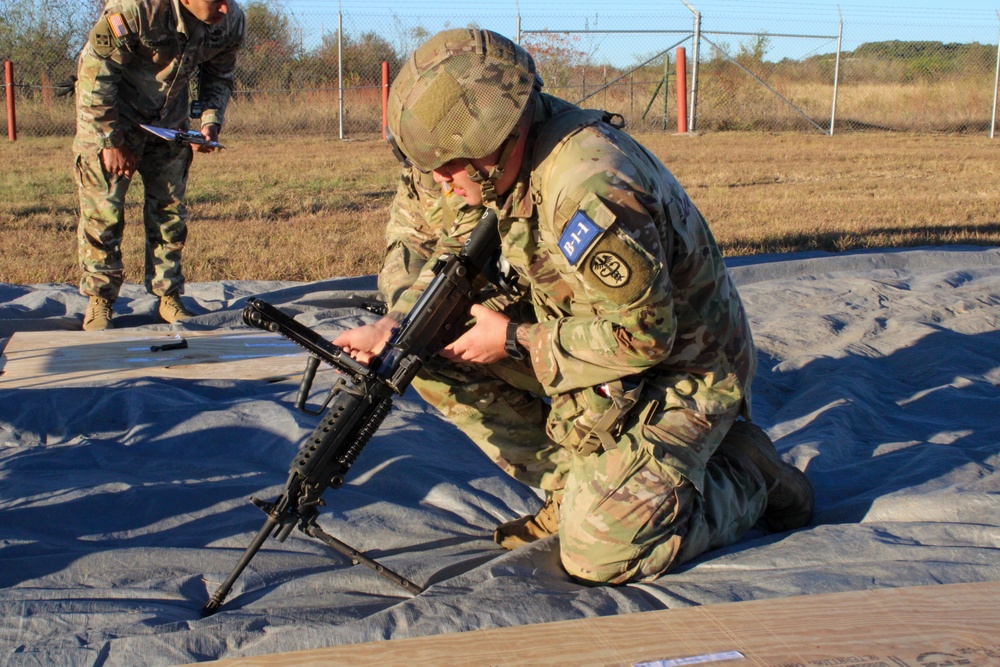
487 181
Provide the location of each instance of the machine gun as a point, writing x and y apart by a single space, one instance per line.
361 397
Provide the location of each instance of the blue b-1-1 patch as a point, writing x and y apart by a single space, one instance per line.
579 235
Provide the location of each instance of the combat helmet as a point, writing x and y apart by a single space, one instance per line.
459 95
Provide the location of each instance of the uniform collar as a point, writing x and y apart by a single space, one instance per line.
180 13
520 203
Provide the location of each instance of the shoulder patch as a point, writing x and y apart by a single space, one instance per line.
579 235
619 269
101 40
118 26
109 33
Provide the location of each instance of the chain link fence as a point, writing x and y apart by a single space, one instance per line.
321 72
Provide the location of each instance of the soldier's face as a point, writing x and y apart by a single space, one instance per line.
207 11
453 177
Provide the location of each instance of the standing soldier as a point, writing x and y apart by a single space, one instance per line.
136 69
619 380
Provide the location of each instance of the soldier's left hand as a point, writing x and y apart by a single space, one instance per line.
365 342
210 132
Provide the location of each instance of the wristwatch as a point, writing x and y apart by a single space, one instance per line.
511 347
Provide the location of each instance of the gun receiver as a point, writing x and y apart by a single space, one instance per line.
361 397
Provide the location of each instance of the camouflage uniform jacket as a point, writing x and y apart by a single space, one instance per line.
137 65
624 274
423 224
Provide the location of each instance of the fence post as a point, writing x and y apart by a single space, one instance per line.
682 124
836 73
666 87
340 72
385 97
8 75
996 82
693 115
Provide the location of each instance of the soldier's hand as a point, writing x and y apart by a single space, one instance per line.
211 133
119 161
365 342
484 342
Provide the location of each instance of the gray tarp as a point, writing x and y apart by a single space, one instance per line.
122 503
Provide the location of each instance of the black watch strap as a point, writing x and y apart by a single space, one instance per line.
514 351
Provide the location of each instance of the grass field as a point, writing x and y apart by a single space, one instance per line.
301 208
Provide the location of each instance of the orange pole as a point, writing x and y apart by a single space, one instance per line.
682 117
8 75
385 97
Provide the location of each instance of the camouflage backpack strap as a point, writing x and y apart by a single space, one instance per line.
624 395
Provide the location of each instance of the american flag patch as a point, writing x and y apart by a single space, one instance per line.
118 26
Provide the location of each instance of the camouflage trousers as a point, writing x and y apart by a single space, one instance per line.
164 170
632 512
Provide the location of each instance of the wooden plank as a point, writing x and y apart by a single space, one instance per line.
927 626
63 358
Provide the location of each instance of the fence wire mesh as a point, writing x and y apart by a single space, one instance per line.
320 72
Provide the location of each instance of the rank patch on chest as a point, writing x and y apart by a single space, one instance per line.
579 235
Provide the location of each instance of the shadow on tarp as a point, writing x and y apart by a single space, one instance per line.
882 424
171 464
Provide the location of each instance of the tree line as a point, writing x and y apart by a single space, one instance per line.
44 37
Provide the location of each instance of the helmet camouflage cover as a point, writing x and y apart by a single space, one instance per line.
459 95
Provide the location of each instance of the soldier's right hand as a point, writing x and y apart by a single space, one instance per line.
119 161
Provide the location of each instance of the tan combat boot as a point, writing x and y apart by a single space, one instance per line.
789 493
172 309
98 315
527 529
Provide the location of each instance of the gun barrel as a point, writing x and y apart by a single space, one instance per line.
263 315
222 591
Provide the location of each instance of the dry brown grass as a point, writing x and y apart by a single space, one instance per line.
301 208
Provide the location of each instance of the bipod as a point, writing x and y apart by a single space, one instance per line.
312 529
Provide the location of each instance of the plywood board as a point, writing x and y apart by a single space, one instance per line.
63 358
955 625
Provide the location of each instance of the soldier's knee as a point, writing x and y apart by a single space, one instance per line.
597 568
593 558
636 540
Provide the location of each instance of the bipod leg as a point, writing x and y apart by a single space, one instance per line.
313 530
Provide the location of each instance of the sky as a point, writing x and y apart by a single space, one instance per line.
819 20
976 10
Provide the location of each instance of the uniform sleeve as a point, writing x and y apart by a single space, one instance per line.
423 224
217 78
627 322
603 236
105 55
